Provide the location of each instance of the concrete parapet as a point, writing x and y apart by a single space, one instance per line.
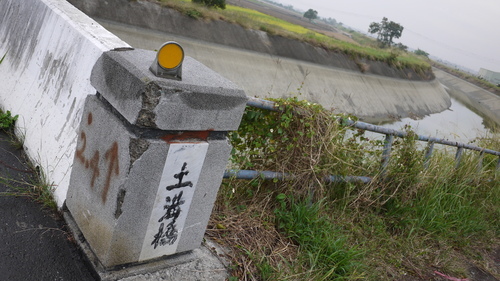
150 157
50 48
143 156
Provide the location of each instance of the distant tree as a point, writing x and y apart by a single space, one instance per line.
419 52
212 3
311 14
401 47
331 21
386 31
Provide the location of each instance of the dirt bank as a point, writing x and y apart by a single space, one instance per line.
149 14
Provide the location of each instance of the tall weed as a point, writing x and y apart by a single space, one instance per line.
325 254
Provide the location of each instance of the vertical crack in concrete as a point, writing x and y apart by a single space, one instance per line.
119 202
136 148
150 99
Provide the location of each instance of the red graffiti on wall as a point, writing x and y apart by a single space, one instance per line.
111 157
92 163
113 167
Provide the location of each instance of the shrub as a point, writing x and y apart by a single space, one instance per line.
212 3
7 120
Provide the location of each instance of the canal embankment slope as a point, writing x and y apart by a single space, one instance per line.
151 14
381 93
272 66
478 99
371 97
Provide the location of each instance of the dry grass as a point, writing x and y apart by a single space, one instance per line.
249 231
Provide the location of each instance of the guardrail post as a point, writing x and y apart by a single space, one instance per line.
458 156
386 153
150 157
428 154
480 161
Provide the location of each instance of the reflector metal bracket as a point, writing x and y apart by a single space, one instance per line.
168 61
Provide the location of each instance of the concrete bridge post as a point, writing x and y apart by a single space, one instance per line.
150 157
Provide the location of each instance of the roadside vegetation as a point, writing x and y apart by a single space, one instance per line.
409 222
7 121
252 19
36 185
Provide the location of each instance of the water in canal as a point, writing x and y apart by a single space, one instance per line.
458 123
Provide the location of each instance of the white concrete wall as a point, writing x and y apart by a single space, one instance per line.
50 49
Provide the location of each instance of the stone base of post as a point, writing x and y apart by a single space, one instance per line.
206 262
150 158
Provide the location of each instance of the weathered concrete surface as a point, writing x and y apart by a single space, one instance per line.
370 97
203 100
150 157
480 99
150 15
113 194
50 48
203 263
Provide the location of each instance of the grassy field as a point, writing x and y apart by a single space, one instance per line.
252 19
407 224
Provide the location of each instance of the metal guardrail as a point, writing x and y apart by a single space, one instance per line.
391 133
389 139
270 175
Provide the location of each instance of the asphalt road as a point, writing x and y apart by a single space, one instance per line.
34 242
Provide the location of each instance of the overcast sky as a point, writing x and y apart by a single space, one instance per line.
463 32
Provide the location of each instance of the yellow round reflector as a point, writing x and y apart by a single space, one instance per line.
170 55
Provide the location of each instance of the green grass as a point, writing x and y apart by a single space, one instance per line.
7 121
324 252
1 60
36 186
7 124
254 16
408 222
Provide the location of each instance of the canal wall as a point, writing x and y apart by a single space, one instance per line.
480 100
151 15
373 98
